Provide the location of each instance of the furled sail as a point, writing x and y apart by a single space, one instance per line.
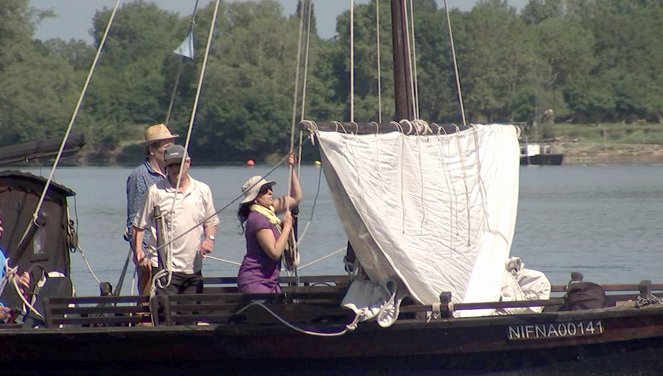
435 211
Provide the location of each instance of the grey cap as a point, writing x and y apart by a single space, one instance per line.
174 154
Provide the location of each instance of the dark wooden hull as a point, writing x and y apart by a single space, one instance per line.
635 336
542 160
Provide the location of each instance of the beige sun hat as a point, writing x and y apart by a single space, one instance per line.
251 188
158 132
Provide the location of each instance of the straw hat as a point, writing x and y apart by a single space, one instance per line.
251 188
157 132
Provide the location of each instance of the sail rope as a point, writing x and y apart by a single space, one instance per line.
413 61
334 253
167 272
348 327
453 225
352 61
234 200
223 260
180 65
11 278
455 62
304 12
378 65
180 68
74 116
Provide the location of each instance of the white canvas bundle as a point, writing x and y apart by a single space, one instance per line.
437 211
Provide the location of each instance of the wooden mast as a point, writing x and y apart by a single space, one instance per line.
401 47
403 93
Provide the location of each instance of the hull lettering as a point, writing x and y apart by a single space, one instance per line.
555 330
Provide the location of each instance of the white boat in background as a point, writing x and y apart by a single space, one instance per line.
539 154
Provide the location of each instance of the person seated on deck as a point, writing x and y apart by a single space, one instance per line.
266 235
23 281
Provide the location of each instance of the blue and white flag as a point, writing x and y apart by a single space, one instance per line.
186 48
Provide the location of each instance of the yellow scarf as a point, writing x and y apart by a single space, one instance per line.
291 255
268 213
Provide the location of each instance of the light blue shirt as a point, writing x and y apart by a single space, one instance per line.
2 263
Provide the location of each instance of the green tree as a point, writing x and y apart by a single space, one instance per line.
129 89
36 88
495 58
628 51
247 97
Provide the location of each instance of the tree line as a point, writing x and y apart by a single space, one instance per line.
591 61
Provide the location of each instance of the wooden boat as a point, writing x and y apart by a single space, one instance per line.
539 154
305 326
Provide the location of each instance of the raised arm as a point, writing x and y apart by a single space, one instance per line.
274 248
286 202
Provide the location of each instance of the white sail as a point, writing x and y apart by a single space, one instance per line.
437 212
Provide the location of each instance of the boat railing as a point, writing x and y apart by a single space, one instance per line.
316 299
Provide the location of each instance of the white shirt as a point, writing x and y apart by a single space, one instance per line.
193 210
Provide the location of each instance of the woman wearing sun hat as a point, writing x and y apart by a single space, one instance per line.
266 235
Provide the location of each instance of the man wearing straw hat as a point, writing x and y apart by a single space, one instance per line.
151 171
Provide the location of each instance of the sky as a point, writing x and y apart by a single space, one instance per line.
74 17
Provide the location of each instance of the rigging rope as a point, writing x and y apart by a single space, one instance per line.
413 64
453 55
348 327
352 61
180 65
188 138
379 73
35 215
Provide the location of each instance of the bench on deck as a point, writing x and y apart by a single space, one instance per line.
96 311
218 304
216 285
317 299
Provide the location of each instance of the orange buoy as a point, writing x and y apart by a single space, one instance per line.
250 163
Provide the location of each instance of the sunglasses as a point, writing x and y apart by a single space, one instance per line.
264 189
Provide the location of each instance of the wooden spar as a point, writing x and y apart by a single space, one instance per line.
372 128
401 47
40 149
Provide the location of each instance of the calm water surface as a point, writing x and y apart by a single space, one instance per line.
601 220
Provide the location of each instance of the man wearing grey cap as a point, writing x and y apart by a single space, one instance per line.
190 223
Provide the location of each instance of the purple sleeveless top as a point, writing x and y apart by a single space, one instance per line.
258 273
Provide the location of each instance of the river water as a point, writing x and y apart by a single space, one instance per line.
604 221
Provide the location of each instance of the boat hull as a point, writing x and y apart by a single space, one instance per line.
484 343
542 160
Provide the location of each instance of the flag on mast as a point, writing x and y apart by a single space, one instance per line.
186 48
